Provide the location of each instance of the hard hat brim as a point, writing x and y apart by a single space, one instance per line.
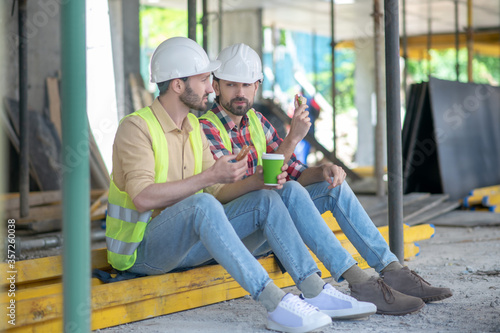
234 78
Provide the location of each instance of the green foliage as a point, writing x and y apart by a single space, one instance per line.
486 69
344 70
158 24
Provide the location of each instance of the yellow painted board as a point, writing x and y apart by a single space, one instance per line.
495 189
491 200
331 221
189 289
48 267
410 234
473 200
366 170
44 271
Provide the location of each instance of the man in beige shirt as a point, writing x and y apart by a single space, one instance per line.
163 168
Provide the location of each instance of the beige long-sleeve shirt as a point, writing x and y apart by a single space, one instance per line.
133 156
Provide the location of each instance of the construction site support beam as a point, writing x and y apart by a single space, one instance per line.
380 127
76 174
192 19
24 176
470 41
394 149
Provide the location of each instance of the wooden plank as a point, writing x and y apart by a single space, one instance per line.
11 200
137 299
49 267
38 213
43 153
413 208
135 90
465 218
54 103
98 171
14 139
473 200
486 190
491 200
441 208
382 209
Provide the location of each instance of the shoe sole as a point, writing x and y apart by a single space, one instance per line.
281 328
436 298
401 313
347 314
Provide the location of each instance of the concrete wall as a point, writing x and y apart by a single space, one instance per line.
365 101
44 56
124 20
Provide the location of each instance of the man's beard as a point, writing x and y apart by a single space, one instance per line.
193 101
239 110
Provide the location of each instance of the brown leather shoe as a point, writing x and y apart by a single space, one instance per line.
387 300
410 283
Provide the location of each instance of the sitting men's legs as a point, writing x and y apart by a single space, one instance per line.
354 222
273 224
195 230
337 260
360 230
172 239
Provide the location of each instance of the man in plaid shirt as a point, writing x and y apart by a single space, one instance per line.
228 128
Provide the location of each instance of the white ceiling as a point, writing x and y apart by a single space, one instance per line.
354 20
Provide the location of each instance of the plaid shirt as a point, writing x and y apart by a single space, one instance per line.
241 137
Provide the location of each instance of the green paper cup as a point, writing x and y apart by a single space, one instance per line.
272 163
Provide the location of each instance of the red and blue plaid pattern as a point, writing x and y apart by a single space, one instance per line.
240 137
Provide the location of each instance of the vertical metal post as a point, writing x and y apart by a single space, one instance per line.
470 41
192 19
394 150
380 126
429 39
76 175
204 23
334 90
457 42
220 26
24 174
405 54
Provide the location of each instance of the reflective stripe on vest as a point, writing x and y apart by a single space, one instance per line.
125 226
256 132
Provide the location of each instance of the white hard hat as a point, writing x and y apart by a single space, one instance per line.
179 57
240 63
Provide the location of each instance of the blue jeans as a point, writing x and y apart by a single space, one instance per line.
351 217
199 228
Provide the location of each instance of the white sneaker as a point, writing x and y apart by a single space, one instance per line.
296 316
340 306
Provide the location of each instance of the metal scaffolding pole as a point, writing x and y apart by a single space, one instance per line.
192 19
24 173
394 150
405 54
380 127
429 39
204 23
219 30
76 176
334 91
470 41
457 42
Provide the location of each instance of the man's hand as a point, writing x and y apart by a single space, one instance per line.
300 122
258 178
331 170
224 171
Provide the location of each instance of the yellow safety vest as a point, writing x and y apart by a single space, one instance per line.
125 226
256 132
